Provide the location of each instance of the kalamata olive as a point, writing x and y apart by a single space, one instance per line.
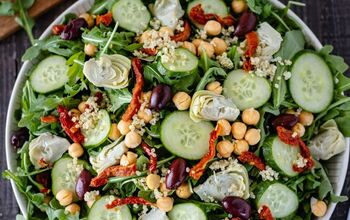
176 174
237 207
73 29
285 120
44 179
247 23
161 94
83 184
19 137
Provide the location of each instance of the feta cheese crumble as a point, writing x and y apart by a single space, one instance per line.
269 174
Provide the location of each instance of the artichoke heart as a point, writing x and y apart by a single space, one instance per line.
207 105
168 12
270 38
110 71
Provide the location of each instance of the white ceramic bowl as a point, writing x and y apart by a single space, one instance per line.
337 166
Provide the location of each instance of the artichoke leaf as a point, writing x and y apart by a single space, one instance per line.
270 38
168 12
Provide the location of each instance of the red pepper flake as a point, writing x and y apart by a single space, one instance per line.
105 19
135 103
252 159
265 213
149 51
198 15
112 171
197 171
184 35
152 157
252 45
57 29
128 201
48 119
71 128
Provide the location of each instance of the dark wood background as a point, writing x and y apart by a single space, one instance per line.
329 19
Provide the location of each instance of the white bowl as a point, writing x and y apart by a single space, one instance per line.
337 166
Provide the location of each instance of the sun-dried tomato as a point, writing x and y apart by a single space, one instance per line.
128 201
71 128
152 157
252 159
105 19
135 103
265 213
57 29
113 171
287 136
198 15
48 119
197 171
149 51
252 44
184 35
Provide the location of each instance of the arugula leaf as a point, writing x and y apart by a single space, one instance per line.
209 76
6 8
234 56
118 98
205 62
77 80
101 6
23 18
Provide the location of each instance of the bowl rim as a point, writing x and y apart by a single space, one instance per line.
22 76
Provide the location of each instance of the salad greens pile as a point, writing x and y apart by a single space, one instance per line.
176 109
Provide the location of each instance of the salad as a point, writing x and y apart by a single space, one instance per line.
171 109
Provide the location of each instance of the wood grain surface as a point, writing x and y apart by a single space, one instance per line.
329 19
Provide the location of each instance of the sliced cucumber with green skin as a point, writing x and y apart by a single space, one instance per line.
99 211
281 200
246 90
280 156
49 75
98 134
184 62
311 84
184 137
65 173
187 211
132 15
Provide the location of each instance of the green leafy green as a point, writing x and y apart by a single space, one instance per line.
6 8
205 62
118 98
209 76
77 81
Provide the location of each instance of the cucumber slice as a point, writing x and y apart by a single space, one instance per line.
311 84
97 135
281 200
132 15
184 62
99 211
280 156
184 137
209 6
65 173
50 74
187 211
246 90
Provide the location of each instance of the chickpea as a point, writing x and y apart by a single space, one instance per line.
214 87
239 6
189 46
64 197
197 42
88 18
166 30
306 118
238 130
225 148
153 181
319 208
123 127
250 116
225 127
82 107
252 136
299 129
182 100
114 133
132 139
128 159
212 28
145 114
73 208
240 146
219 44
205 47
90 49
75 112
163 188
145 36
184 191
75 150
165 203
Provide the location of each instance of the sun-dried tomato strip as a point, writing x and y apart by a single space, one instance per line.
252 44
152 157
252 159
149 51
105 19
112 171
135 103
197 171
184 35
129 200
48 119
57 29
286 136
198 15
71 128
265 213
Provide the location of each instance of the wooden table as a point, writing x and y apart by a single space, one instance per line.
329 19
